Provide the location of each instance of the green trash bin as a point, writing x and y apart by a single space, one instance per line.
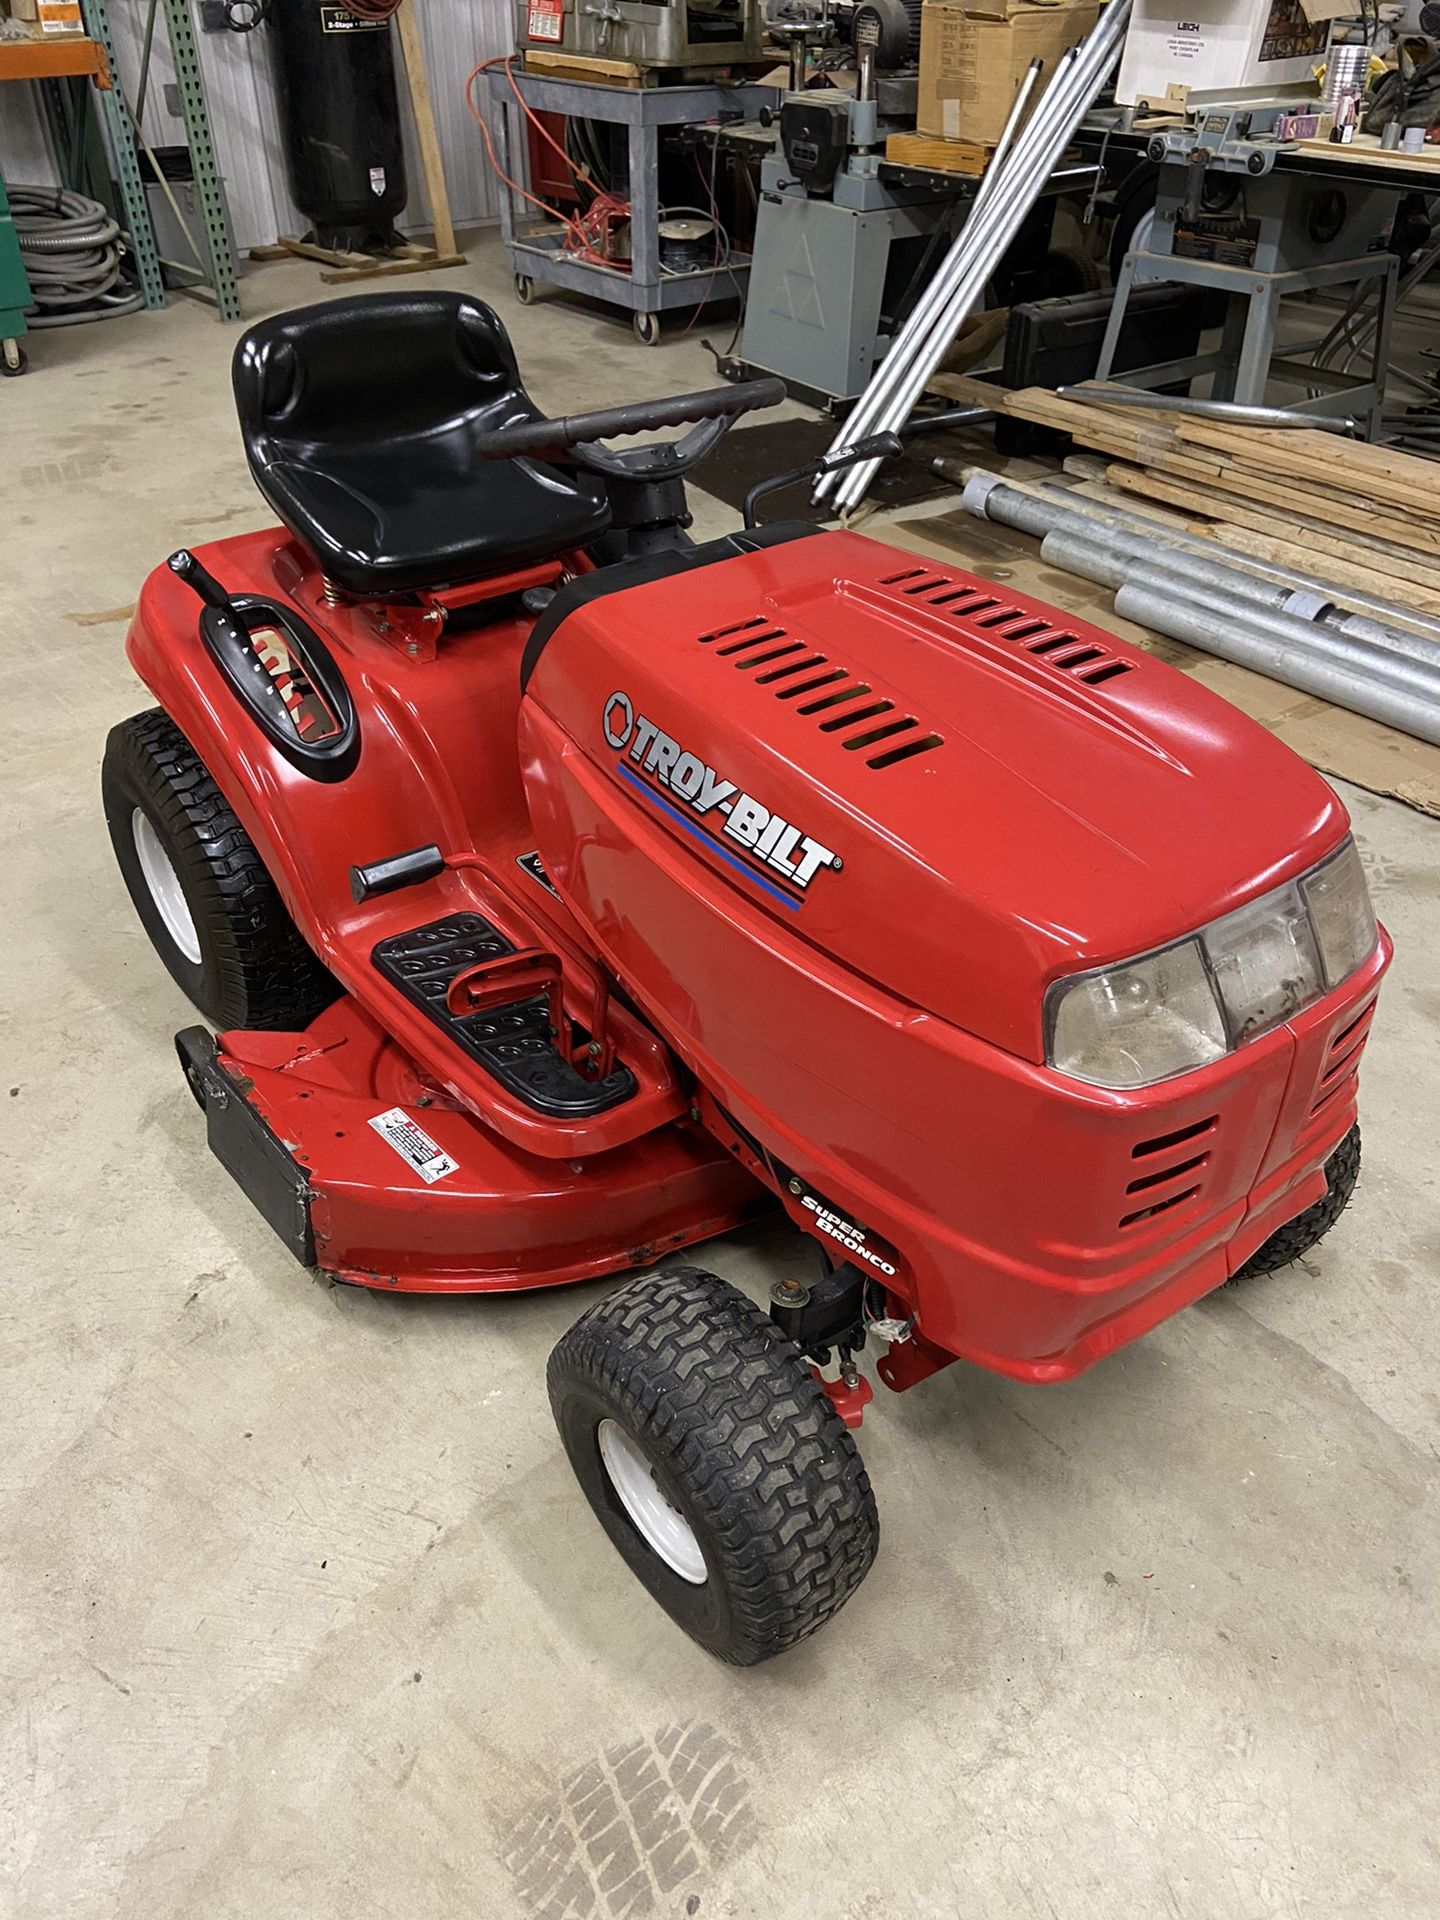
14 292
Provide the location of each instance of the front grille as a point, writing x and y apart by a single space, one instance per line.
1171 1170
1341 1065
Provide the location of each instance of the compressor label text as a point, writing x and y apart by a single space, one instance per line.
767 838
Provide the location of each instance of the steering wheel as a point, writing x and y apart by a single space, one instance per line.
575 439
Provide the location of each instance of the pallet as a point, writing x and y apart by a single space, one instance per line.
932 155
348 264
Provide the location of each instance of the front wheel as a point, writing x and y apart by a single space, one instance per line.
715 1462
1297 1236
647 329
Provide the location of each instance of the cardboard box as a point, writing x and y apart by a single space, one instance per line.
1223 49
973 54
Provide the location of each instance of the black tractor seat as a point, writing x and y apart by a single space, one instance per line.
359 419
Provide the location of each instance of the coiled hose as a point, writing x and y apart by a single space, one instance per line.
70 249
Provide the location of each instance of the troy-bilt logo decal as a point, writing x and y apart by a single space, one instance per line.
656 763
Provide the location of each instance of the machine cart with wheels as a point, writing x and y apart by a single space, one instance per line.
14 292
535 248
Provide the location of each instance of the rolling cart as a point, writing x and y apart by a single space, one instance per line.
537 253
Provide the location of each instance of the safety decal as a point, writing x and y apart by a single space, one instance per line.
414 1145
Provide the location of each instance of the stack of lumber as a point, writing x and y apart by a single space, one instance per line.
1316 502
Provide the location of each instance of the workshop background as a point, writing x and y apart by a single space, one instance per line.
301 1608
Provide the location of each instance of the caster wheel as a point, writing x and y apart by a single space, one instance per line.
14 359
647 329
715 1462
524 290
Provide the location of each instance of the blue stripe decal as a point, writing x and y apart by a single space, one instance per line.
693 826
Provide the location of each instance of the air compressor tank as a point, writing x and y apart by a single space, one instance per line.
340 120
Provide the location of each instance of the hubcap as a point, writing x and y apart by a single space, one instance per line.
659 1523
164 886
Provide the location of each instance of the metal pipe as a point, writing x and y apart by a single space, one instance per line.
871 402
998 191
1418 679
1324 678
1109 394
1112 564
1077 70
1042 509
1066 100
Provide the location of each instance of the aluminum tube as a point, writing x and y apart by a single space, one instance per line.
997 215
1042 509
1307 673
1059 114
1006 174
1071 86
1114 564
1418 680
1110 394
853 428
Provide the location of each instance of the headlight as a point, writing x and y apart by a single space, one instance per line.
1172 1011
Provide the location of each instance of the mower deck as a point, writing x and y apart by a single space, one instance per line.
375 1174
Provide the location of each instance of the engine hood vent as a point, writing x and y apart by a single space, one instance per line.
837 700
980 606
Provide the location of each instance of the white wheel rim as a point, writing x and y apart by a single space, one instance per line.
164 886
661 1526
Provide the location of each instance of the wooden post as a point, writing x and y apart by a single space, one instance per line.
430 160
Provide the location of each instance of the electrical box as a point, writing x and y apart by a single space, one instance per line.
1224 49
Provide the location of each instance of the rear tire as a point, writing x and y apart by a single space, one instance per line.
715 1462
201 890
1297 1236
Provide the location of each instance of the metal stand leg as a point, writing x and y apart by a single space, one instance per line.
1232 340
1252 375
122 148
644 211
1110 346
1380 348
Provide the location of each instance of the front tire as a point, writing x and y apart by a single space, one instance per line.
1297 1236
715 1462
201 890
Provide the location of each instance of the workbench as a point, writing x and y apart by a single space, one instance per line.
538 253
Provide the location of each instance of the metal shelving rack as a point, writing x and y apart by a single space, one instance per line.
121 124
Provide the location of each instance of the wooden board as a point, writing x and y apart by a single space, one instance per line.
580 66
938 156
430 162
1365 149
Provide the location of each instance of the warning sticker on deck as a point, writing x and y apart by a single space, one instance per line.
413 1144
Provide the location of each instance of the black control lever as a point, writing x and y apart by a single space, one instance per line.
203 583
875 446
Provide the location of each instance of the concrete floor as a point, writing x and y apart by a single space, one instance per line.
301 1612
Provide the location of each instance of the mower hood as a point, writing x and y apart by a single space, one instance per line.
957 793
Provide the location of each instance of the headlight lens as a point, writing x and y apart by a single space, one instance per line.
1341 913
1169 1012
1127 1026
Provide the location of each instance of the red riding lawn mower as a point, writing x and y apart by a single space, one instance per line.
567 893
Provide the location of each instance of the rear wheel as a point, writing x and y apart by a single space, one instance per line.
1297 1236
715 1462
200 888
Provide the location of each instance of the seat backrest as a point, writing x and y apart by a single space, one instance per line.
377 369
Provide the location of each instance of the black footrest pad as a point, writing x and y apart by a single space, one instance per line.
513 1043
